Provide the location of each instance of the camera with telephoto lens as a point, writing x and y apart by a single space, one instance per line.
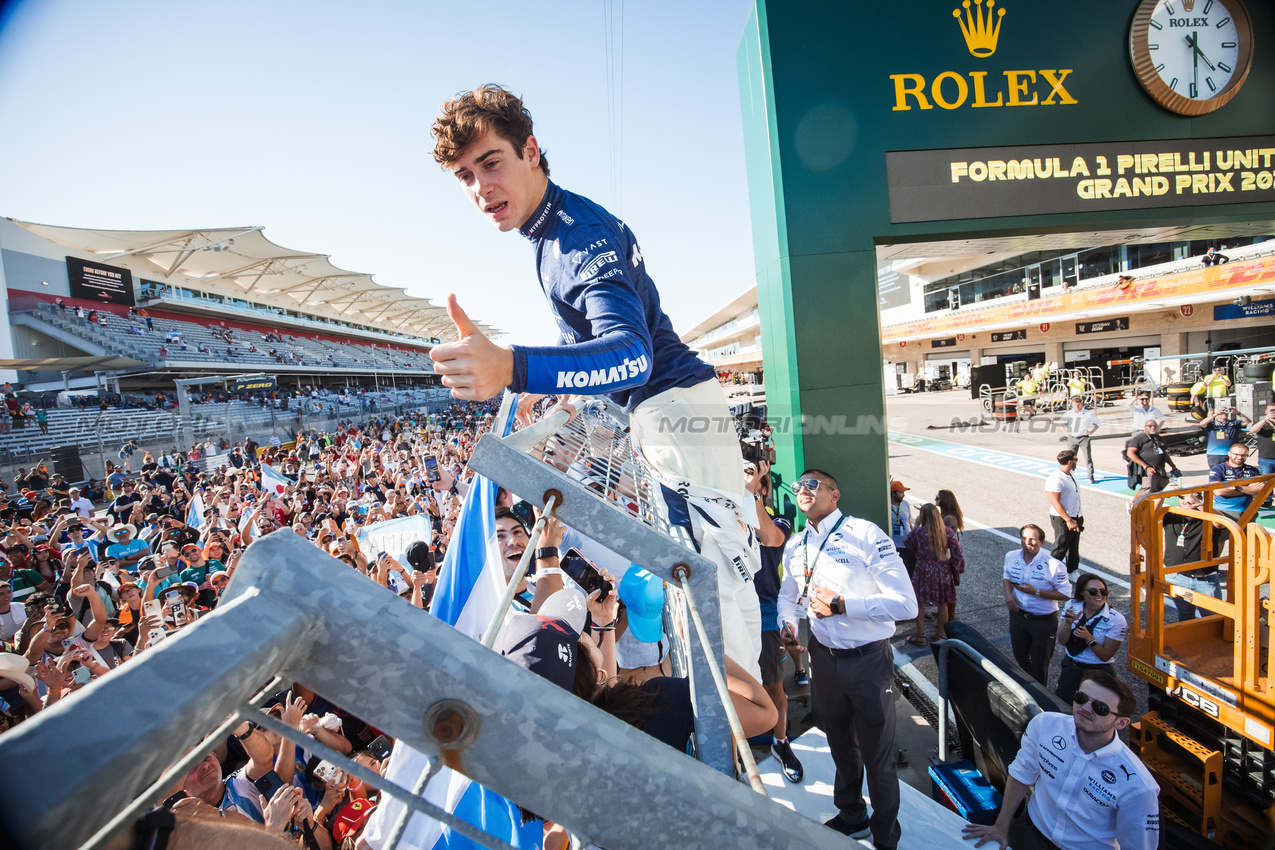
754 436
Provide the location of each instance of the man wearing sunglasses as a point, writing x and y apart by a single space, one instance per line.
849 576
1090 790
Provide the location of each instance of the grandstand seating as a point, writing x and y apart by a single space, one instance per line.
130 337
91 427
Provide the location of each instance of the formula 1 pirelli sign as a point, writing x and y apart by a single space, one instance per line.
965 183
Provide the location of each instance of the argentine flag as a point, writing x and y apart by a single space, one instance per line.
195 515
470 585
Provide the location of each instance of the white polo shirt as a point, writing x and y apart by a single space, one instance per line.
1141 417
1064 484
1110 624
1079 422
1086 801
857 560
1043 573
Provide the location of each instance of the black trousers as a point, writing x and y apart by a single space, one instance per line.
1033 638
1071 674
1067 542
855 704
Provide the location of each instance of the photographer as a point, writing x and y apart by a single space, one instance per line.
1147 452
1090 633
1223 429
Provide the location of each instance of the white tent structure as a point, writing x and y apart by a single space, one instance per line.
241 263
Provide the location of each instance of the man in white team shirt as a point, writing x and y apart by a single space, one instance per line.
1034 583
1090 791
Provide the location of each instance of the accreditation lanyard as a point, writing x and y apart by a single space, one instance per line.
808 568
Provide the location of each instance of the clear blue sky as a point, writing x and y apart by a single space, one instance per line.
312 119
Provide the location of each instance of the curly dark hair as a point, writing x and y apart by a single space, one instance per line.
471 114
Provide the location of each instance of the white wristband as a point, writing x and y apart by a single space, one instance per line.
550 571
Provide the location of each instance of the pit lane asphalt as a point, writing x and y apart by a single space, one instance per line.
998 476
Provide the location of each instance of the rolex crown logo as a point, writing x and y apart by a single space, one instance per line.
980 30
1188 5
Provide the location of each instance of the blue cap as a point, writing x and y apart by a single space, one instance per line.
642 593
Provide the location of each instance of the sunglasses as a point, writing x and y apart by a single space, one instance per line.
1097 591
1099 708
811 484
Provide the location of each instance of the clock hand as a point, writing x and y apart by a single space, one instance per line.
1195 62
1194 41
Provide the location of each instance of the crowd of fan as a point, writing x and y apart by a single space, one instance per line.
85 588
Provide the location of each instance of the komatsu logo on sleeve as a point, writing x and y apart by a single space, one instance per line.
629 368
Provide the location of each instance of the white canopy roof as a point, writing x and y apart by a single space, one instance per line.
240 262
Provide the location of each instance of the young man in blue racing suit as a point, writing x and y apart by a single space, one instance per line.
615 340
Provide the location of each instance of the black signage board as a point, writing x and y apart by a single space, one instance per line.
1009 336
100 282
892 289
254 385
1103 326
950 342
964 183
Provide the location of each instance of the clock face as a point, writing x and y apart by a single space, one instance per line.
1196 52
1191 56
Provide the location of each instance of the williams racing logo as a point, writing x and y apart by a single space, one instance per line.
627 369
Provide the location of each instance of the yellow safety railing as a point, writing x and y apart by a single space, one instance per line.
1220 661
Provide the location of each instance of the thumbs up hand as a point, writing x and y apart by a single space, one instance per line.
474 367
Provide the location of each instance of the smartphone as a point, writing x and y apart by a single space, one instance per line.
82 674
180 617
268 784
154 636
585 574
525 512
431 468
172 597
165 572
380 748
324 771
152 608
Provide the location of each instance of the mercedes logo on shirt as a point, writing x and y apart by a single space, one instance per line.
1059 743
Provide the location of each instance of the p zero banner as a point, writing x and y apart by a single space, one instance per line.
963 183
254 385
100 282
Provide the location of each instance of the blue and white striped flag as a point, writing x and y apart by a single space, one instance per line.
195 514
471 583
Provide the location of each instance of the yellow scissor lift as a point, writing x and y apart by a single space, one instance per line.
1211 731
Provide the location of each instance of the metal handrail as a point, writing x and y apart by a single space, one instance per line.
432 688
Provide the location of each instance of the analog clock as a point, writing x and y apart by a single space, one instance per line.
1191 56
